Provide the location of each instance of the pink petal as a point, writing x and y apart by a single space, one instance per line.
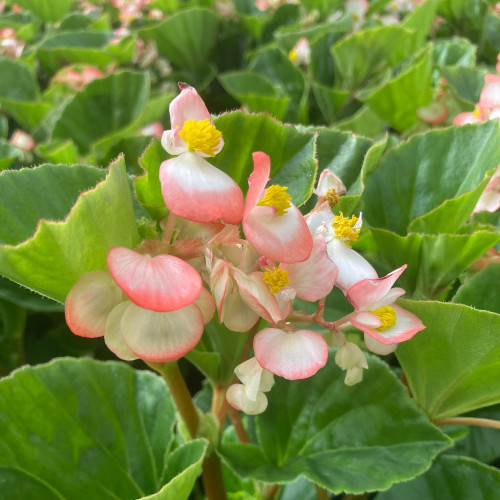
377 347
90 302
467 117
314 278
368 292
236 314
188 105
292 355
490 95
367 319
198 191
407 325
161 336
257 295
162 283
352 267
237 398
257 180
283 239
206 304
113 336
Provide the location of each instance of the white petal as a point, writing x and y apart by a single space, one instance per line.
377 347
113 336
237 398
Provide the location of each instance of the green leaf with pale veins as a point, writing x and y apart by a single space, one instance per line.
343 438
104 432
449 478
452 366
47 10
59 221
420 174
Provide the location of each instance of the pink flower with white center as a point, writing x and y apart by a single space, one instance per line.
22 140
490 95
357 10
384 323
154 129
193 188
290 354
468 117
329 188
272 224
300 55
338 232
242 299
249 396
9 44
489 201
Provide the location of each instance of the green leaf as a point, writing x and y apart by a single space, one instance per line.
12 323
186 38
466 83
455 52
292 153
104 106
18 81
255 92
434 261
8 154
391 100
481 290
46 242
59 151
449 478
330 101
421 18
20 296
429 168
103 430
452 366
364 122
47 10
360 56
340 437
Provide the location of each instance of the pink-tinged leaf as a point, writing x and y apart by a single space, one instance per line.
206 304
162 283
377 347
370 294
351 266
113 336
314 278
257 295
188 105
407 325
161 336
292 355
196 190
90 302
237 398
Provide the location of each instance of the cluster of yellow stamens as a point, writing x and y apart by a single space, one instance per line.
292 55
276 279
332 197
277 197
344 228
387 316
201 135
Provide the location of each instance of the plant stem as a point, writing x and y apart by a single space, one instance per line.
234 415
480 422
169 228
321 493
182 398
212 478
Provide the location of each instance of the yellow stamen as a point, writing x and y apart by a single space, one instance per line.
332 197
476 112
344 228
277 197
201 135
387 316
292 55
276 279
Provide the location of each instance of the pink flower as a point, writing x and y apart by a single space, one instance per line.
272 224
489 201
290 354
154 129
468 117
192 187
22 140
357 10
434 113
375 314
490 95
301 53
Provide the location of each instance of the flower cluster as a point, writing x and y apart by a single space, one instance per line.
153 302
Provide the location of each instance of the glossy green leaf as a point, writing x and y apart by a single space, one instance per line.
364 122
429 168
466 83
340 437
463 377
292 153
103 430
20 296
434 261
360 56
255 92
12 323
482 291
18 81
449 478
456 51
59 231
47 10
330 101
59 151
8 154
186 38
421 19
397 101
103 107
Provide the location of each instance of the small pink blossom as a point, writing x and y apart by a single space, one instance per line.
22 140
154 129
490 95
489 201
300 55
